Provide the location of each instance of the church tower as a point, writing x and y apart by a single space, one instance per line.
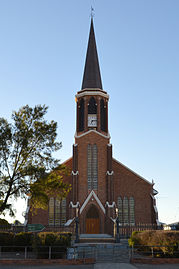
103 189
92 181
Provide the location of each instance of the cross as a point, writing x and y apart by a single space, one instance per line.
92 12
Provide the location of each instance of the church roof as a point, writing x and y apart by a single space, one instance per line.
92 76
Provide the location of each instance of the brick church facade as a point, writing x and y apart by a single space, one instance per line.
102 187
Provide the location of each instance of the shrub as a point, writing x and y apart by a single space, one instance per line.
6 239
58 242
23 239
165 243
134 240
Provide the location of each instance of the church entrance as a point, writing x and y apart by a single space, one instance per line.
92 221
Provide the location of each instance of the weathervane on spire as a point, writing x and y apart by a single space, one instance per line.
92 12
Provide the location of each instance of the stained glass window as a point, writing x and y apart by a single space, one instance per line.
92 167
125 211
132 210
119 205
57 211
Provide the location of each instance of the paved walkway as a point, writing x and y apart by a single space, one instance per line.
114 266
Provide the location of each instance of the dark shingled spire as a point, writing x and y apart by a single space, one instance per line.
92 77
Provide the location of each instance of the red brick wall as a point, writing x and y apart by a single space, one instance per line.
128 184
101 142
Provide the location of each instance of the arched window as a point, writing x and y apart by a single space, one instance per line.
81 115
92 107
119 205
132 210
125 211
103 116
57 211
92 171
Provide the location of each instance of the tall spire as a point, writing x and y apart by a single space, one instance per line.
92 77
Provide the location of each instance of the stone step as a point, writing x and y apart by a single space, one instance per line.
97 240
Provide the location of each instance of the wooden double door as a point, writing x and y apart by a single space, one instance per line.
92 221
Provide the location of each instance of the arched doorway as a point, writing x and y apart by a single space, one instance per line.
92 221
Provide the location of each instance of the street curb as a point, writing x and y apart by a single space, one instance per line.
46 261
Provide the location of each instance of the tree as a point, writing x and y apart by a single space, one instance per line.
26 161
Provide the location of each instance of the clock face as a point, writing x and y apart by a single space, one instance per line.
92 120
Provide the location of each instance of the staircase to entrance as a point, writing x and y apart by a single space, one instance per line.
102 248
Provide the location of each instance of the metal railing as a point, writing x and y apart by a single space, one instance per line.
29 252
125 231
159 251
100 253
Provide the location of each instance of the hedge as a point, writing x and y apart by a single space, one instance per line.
59 243
39 242
164 243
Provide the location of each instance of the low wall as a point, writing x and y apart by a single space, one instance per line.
155 260
46 261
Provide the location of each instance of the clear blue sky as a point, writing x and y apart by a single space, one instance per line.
42 53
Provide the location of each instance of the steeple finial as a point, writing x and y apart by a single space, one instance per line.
92 76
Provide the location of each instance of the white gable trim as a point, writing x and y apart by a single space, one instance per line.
90 131
92 193
133 172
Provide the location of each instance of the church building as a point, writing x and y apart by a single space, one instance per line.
102 187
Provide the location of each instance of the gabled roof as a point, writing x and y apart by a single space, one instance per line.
133 172
91 76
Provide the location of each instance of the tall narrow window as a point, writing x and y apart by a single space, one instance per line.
92 171
92 107
51 211
103 116
125 211
81 115
132 210
95 167
57 211
89 167
63 211
119 205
